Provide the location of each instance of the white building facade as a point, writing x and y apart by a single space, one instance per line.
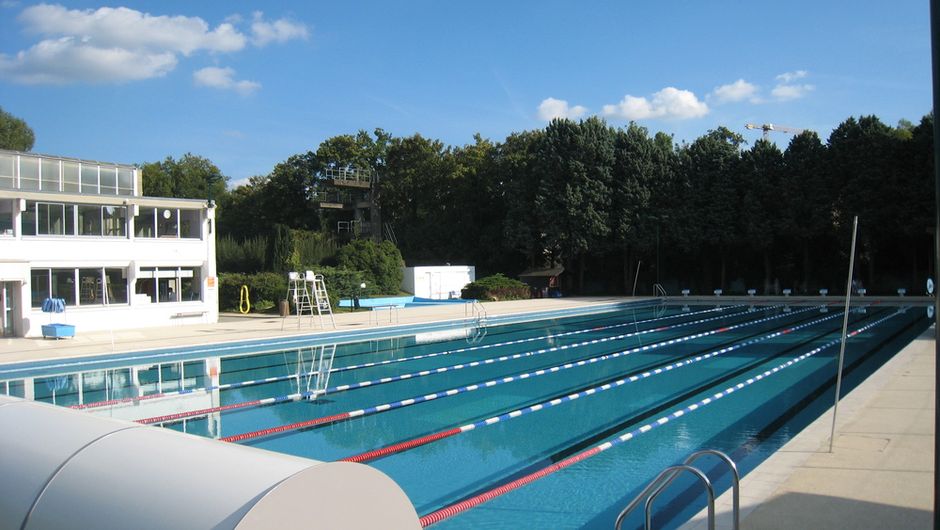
438 283
81 231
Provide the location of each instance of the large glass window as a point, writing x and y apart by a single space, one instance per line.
114 220
89 220
7 171
63 285
108 180
170 284
190 224
51 218
50 174
116 281
90 290
39 286
29 173
28 219
168 223
125 181
6 216
89 179
144 224
70 177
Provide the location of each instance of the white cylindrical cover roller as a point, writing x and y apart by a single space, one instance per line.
83 471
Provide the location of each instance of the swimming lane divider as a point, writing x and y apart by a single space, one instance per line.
476 386
342 388
267 380
454 509
416 442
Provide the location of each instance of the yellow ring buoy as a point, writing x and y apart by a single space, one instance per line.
244 304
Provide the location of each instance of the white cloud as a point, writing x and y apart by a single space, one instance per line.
223 79
281 30
120 44
788 92
130 29
68 60
552 108
740 90
668 103
789 77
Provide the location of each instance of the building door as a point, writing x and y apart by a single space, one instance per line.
7 308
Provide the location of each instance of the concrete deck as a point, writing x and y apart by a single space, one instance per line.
880 474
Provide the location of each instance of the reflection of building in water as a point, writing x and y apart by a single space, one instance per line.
135 392
82 231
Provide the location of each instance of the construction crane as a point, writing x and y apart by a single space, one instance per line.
767 127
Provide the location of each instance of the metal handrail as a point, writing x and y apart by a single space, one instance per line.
659 290
667 476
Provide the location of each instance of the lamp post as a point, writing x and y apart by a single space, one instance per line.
358 295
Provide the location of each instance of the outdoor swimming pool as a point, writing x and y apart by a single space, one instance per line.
554 423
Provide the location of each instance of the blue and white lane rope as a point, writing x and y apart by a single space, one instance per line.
310 394
275 379
469 388
521 355
453 509
415 442
533 339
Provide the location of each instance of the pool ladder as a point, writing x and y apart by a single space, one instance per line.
478 333
665 478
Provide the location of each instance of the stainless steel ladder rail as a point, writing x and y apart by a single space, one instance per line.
659 290
668 475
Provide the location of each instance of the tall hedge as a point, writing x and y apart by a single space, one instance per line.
496 287
381 263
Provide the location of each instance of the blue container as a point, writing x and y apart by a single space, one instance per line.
57 331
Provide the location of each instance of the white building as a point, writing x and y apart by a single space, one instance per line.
81 230
438 283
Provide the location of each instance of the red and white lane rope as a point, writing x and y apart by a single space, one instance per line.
423 440
454 509
491 383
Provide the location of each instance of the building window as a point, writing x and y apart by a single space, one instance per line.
96 286
168 223
170 284
29 173
89 179
53 219
50 175
144 223
114 220
6 216
190 224
7 171
71 177
89 220
125 181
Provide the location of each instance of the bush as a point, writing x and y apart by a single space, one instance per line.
341 283
265 289
314 248
496 287
381 262
241 256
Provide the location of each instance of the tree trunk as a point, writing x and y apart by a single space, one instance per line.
581 262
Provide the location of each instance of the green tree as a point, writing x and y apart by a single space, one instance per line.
575 162
523 230
759 212
806 196
15 134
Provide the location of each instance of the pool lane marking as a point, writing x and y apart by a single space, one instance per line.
476 386
476 500
423 440
275 379
297 396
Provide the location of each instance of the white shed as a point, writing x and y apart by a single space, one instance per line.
438 283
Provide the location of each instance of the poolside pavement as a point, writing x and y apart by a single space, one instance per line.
879 475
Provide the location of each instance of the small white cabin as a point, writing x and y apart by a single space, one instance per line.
438 283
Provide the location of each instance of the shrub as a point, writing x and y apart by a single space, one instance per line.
341 283
314 248
241 256
381 262
283 258
264 290
496 287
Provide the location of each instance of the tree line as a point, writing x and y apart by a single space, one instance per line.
618 206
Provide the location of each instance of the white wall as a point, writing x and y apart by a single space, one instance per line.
439 283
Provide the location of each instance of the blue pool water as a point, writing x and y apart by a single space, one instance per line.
657 359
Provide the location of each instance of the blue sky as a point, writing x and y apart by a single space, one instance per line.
248 84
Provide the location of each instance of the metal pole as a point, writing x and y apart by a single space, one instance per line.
935 56
845 328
